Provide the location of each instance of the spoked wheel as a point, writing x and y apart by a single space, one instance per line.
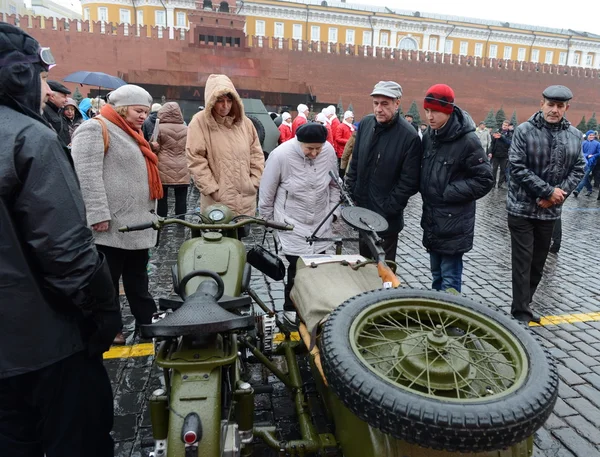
438 370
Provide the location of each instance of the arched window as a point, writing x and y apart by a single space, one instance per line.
224 7
207 4
410 44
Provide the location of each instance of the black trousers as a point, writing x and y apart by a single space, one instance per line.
132 266
62 410
390 245
499 163
557 233
530 240
181 191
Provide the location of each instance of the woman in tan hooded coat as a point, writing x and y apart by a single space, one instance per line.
223 150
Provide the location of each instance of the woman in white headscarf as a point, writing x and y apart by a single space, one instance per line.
285 129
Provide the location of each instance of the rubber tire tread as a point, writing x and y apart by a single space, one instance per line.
260 129
432 422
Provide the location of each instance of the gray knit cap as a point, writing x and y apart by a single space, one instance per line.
129 95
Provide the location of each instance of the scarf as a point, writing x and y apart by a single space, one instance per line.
154 184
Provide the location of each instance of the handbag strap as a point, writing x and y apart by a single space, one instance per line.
268 245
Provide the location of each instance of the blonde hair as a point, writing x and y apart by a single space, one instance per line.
121 111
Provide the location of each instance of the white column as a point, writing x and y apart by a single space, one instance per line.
442 43
171 21
425 44
376 32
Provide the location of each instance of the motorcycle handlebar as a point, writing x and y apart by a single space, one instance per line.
278 225
161 222
136 227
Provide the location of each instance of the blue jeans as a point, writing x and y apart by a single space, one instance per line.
585 181
446 271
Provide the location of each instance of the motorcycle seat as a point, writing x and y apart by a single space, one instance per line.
200 314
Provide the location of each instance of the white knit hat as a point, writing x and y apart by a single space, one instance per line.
155 107
129 95
302 108
348 114
331 110
322 117
285 116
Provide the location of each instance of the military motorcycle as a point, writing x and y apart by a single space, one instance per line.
400 372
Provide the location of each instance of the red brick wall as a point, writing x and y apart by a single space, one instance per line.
479 85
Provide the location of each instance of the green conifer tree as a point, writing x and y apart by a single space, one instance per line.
490 120
592 124
77 95
513 118
582 126
414 112
340 109
500 117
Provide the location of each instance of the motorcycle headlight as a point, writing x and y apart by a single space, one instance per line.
216 215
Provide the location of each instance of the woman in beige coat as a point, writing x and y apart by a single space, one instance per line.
223 150
172 162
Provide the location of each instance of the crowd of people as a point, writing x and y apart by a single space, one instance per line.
72 174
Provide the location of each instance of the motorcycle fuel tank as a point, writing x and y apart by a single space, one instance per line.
223 255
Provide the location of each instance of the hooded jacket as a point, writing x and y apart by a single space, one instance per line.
224 154
298 190
343 132
384 170
50 273
77 120
84 107
542 156
455 172
172 136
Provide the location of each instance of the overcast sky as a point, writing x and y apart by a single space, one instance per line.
546 13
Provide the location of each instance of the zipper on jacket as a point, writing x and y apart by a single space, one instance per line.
377 161
285 201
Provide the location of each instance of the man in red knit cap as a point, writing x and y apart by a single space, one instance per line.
455 172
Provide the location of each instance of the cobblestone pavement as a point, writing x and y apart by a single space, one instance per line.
571 285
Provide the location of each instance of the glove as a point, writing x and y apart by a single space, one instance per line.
107 325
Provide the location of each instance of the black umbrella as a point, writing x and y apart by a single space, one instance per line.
95 78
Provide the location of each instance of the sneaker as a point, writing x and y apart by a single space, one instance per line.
575 193
588 193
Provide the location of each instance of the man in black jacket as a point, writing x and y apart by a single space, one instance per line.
57 312
455 172
384 170
53 110
545 166
499 152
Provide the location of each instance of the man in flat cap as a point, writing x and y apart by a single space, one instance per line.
385 166
52 111
545 166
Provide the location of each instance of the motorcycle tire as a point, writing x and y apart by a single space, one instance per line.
463 345
260 129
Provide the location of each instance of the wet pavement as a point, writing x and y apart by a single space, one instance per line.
569 290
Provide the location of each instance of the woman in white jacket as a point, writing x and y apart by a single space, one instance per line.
296 188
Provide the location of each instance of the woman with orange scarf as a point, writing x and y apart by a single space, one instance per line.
120 183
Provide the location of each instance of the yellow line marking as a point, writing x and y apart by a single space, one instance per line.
279 337
126 352
567 319
146 349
